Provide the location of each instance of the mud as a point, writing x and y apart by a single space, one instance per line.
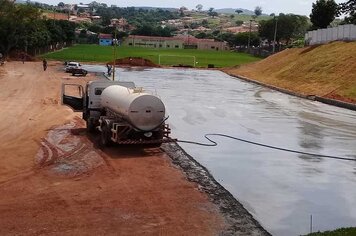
66 152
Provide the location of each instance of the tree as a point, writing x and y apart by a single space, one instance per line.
201 35
241 39
232 16
323 13
199 7
23 28
149 30
228 37
95 28
349 8
16 22
258 11
238 11
182 10
239 22
81 10
61 4
212 13
83 33
289 27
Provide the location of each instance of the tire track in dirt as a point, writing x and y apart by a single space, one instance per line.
66 152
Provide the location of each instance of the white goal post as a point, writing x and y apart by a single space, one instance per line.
176 60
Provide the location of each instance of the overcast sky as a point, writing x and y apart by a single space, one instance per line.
268 6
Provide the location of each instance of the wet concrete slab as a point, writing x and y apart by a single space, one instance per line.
280 189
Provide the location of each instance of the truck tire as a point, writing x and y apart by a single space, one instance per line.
90 126
105 140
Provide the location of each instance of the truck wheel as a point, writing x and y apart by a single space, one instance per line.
105 136
90 126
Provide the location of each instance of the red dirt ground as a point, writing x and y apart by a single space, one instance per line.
55 181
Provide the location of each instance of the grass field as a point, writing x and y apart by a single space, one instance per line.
96 53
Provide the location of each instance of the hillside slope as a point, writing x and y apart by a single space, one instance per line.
326 70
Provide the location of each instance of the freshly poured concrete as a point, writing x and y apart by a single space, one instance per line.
280 189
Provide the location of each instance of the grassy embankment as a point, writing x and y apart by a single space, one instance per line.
96 53
327 70
338 232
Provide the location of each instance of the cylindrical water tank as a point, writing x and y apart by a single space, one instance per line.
142 110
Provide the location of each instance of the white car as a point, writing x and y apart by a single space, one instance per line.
72 65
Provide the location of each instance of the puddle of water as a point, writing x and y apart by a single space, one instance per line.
280 189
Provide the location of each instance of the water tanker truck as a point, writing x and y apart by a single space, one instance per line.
121 112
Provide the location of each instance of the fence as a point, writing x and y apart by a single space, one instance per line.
322 36
49 48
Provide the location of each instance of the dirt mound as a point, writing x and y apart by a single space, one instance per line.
134 61
325 70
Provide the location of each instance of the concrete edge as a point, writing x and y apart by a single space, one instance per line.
239 221
324 100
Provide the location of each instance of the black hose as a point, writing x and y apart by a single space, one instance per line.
213 144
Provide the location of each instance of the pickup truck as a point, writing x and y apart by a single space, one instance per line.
71 65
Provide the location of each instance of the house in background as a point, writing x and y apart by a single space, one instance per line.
177 42
120 24
153 42
105 39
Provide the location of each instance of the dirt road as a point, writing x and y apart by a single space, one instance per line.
53 180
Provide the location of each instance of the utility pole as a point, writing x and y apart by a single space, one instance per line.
113 69
275 35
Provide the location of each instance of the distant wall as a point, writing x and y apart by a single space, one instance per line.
152 43
340 33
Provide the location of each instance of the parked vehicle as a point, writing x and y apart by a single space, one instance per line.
121 112
72 65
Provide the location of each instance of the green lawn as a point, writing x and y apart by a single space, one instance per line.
96 53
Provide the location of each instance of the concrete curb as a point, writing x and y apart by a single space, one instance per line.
328 101
239 221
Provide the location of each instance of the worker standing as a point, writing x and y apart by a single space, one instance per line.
44 62
109 67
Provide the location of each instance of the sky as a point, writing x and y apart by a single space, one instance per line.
302 7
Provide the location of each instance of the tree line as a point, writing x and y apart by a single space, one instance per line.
22 27
289 27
